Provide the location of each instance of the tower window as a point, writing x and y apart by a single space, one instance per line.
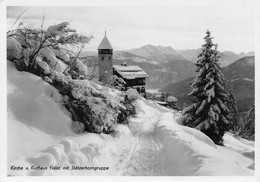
109 58
138 89
143 90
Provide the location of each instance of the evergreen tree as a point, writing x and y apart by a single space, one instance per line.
208 113
248 131
233 114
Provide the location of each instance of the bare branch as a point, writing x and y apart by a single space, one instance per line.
92 75
43 19
19 16
74 59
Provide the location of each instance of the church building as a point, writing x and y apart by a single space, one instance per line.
133 75
105 55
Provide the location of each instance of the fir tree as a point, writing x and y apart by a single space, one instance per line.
233 114
248 130
208 113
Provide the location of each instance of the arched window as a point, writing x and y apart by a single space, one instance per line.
138 89
143 90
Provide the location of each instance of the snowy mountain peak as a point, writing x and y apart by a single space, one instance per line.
158 53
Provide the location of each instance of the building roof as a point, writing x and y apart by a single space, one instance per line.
130 72
105 44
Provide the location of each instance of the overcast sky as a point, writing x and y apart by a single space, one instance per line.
182 27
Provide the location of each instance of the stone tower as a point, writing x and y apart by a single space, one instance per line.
105 55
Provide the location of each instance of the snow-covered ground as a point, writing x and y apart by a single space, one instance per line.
154 143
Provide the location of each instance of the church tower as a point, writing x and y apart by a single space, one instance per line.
105 55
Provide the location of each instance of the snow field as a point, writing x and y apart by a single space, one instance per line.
186 152
182 151
35 120
145 159
39 132
90 150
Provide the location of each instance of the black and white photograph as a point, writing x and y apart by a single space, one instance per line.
130 89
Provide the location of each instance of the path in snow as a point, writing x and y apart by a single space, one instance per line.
145 159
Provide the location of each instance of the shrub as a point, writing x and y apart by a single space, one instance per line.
130 109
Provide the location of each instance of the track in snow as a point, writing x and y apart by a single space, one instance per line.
145 159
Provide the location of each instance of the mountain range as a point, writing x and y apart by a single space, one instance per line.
226 57
165 65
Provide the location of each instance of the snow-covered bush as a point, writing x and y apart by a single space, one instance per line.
132 94
77 127
25 45
78 70
89 104
14 49
130 104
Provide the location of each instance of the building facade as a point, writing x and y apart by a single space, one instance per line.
133 75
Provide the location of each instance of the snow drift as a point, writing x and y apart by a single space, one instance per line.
190 152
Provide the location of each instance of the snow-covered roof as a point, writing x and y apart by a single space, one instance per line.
105 44
171 99
130 72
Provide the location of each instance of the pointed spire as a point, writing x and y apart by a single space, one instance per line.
105 44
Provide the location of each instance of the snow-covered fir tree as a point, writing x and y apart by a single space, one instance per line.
233 114
248 130
209 112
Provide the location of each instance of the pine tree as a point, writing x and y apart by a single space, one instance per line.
248 130
233 114
208 113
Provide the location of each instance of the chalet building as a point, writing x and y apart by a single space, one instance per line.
133 75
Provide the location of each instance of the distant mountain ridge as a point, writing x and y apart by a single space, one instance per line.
164 65
156 53
226 57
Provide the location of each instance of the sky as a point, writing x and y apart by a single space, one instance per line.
180 26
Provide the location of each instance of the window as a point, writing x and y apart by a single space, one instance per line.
109 58
143 90
138 89
102 58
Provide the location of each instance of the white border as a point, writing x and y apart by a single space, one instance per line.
3 132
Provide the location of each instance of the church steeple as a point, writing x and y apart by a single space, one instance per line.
105 44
